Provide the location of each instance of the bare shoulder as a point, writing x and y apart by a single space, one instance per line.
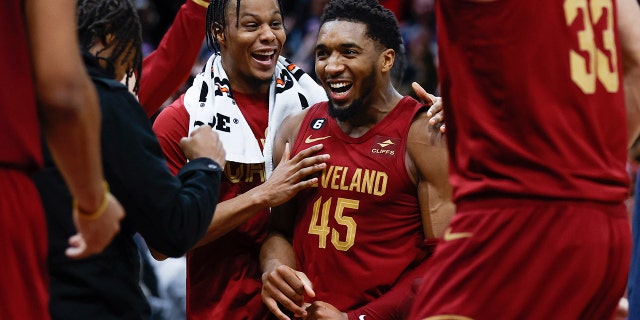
290 126
427 157
423 136
287 133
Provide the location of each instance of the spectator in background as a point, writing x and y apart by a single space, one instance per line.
418 31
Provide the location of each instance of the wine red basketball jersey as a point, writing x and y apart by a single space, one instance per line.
535 109
360 228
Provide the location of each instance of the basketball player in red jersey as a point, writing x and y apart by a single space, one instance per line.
537 143
46 92
361 230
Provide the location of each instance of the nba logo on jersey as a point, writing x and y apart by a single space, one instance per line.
385 146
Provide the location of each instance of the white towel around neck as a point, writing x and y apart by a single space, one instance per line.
209 101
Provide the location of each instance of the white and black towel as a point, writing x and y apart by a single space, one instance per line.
210 101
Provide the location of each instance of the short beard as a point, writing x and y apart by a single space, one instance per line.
346 113
357 106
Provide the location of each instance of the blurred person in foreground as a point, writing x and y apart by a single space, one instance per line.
170 213
538 148
50 95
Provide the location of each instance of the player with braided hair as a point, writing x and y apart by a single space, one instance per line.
112 19
170 213
223 274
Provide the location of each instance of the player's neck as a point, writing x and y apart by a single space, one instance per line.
379 105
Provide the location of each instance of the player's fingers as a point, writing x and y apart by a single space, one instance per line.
304 184
284 286
275 293
309 171
272 305
77 247
308 287
313 160
422 94
286 154
438 118
418 89
302 155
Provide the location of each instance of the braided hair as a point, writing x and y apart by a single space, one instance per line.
99 18
216 20
381 23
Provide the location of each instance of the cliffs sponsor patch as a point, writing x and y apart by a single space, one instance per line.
385 146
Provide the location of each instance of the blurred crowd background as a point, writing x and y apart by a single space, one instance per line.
416 18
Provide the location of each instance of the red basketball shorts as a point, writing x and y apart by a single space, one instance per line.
526 259
23 234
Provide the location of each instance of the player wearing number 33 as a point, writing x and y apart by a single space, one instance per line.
361 235
535 110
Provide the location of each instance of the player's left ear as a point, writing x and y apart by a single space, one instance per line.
387 58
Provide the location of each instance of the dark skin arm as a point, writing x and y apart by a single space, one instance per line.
70 118
281 282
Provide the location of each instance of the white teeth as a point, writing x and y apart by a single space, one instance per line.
267 53
339 85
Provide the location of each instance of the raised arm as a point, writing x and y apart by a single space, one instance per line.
70 118
165 69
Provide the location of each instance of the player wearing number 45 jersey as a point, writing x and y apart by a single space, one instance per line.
359 234
534 103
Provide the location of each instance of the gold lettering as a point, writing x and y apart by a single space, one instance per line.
381 184
234 176
344 175
255 169
336 175
325 176
355 180
367 181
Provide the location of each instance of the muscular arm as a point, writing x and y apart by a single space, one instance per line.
70 119
67 99
629 31
277 248
281 282
428 159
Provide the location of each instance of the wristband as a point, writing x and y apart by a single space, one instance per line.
201 3
101 208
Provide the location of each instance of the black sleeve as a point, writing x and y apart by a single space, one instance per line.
171 213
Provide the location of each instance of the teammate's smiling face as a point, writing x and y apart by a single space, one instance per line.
346 66
251 42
